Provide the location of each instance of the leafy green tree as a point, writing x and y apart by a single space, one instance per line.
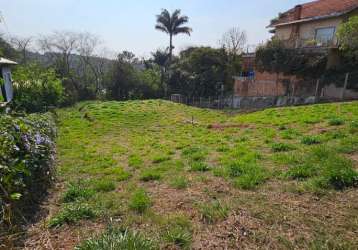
172 24
348 37
36 88
200 71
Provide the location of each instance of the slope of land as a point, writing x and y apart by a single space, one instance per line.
193 178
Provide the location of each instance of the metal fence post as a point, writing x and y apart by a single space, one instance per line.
345 86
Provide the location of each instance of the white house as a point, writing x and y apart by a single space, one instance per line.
6 89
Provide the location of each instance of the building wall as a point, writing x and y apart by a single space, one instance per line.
307 31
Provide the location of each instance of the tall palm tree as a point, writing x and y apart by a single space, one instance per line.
172 24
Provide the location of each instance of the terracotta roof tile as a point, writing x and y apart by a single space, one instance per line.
317 9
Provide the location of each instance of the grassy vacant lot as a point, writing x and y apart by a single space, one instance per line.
164 175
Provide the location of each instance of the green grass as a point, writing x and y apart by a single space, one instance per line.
179 182
139 201
139 162
71 214
213 212
116 238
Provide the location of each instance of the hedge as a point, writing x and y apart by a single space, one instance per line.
27 152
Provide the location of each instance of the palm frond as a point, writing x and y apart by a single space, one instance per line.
183 30
180 21
161 27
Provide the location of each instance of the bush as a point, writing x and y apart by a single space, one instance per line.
36 88
26 156
115 238
140 201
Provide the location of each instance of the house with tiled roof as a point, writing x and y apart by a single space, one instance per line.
310 28
314 23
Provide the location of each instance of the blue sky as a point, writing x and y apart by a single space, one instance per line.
129 24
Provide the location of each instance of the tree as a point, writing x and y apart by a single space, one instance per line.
234 41
172 24
200 72
348 37
22 45
160 57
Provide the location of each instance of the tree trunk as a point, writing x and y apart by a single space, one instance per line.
170 48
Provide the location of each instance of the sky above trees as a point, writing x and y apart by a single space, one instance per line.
129 25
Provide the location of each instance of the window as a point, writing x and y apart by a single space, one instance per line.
325 36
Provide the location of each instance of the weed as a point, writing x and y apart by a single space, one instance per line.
160 158
195 153
213 212
135 161
72 213
348 145
353 127
116 238
178 231
199 166
310 140
336 121
139 201
150 175
104 185
179 182
77 192
281 147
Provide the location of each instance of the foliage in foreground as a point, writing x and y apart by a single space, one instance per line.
26 157
115 238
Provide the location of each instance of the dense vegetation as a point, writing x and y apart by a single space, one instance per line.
26 170
159 178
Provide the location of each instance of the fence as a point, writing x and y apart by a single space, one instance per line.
339 88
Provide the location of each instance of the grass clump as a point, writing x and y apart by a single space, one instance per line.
139 201
310 140
116 238
194 153
72 213
179 182
150 175
281 147
348 145
213 212
104 185
326 168
336 121
353 127
76 191
247 174
135 161
160 158
178 231
199 166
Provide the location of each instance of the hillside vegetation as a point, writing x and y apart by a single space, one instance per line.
156 174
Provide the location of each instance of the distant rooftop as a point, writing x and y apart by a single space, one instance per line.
315 10
4 61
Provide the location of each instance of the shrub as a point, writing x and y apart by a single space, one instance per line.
115 238
281 147
26 156
310 140
77 192
72 213
213 212
36 88
139 201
